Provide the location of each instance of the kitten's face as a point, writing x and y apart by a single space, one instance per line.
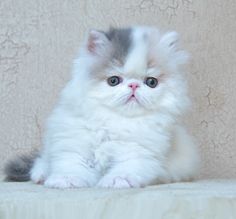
134 75
128 93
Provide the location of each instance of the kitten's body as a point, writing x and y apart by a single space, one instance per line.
98 135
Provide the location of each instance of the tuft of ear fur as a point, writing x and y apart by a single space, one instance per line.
169 43
97 43
170 40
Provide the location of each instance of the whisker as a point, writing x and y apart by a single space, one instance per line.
120 98
144 101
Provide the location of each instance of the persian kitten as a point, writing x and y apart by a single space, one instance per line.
117 123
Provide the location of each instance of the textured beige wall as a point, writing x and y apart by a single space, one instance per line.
39 39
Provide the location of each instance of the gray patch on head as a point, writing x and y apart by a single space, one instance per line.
121 41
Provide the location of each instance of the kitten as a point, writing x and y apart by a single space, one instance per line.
117 123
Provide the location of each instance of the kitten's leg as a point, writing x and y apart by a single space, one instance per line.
133 173
183 158
132 167
39 170
69 170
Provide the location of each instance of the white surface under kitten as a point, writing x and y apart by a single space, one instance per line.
99 136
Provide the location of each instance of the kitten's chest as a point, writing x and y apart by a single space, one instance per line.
136 130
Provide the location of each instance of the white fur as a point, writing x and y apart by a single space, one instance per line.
95 138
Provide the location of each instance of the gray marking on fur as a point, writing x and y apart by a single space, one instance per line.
121 41
19 169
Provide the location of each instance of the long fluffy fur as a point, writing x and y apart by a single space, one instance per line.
97 137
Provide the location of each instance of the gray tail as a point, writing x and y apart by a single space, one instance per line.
18 170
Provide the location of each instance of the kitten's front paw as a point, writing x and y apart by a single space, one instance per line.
117 182
37 178
63 182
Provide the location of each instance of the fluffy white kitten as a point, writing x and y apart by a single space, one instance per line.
117 123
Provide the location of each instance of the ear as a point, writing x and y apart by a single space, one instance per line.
97 43
170 43
170 40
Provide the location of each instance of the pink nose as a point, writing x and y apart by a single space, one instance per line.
133 86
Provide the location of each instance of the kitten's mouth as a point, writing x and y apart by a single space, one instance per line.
132 98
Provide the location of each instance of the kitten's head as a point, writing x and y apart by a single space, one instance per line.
133 71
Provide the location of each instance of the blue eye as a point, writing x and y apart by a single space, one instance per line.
151 82
114 80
